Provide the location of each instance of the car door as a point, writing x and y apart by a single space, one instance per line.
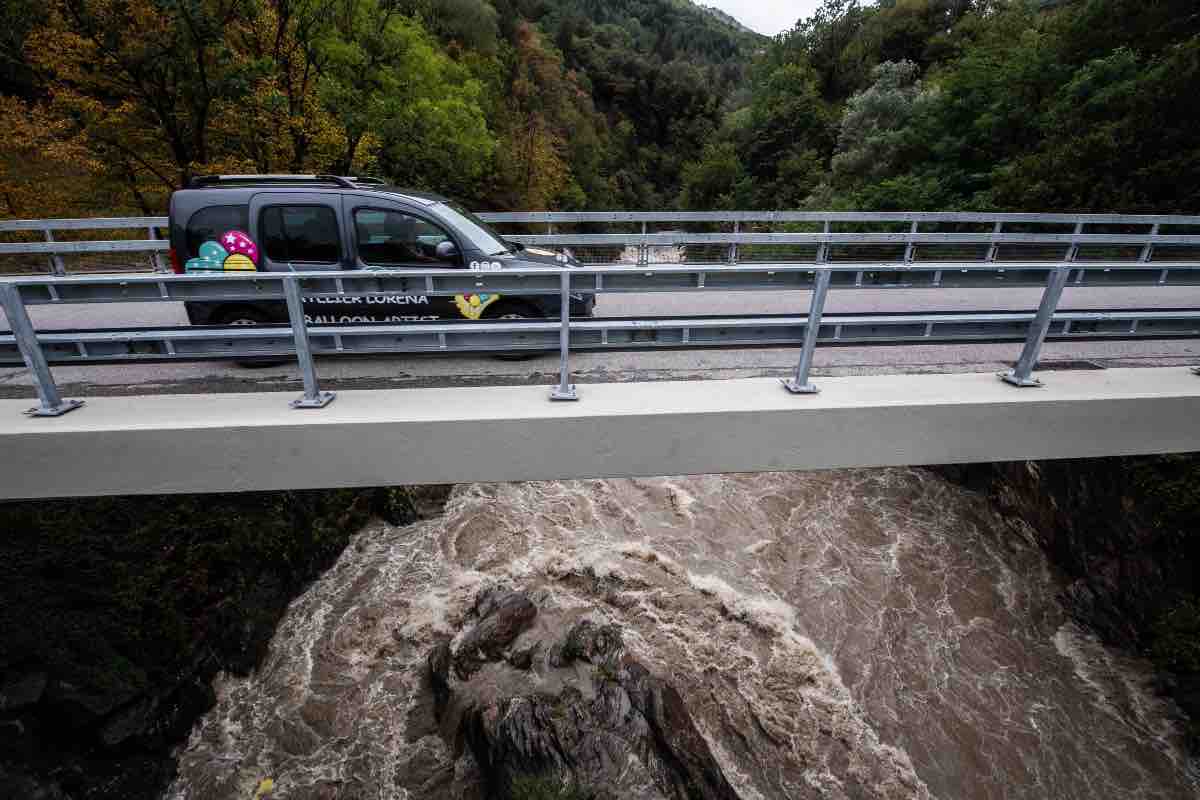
391 236
305 232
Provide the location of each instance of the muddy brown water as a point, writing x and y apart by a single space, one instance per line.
862 633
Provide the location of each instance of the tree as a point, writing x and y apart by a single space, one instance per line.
141 104
790 137
717 181
384 81
875 134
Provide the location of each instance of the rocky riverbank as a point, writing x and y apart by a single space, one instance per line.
1126 533
117 613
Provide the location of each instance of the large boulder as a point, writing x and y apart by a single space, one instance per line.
566 714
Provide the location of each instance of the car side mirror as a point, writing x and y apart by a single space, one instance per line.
446 251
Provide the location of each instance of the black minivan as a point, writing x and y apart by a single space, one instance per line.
306 223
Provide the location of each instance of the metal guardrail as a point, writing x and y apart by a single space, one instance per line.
837 262
827 244
591 335
55 249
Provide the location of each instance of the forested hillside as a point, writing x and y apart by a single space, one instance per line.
106 105
969 104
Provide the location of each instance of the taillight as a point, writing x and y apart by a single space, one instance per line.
176 266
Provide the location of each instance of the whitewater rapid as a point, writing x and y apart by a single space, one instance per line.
865 633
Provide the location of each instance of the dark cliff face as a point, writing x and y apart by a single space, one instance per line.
116 613
1126 533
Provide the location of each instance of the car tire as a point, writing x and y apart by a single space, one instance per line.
515 310
233 316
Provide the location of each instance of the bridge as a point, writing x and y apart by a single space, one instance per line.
198 443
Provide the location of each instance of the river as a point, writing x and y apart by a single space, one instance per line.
847 634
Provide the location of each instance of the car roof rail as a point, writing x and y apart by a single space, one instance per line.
344 182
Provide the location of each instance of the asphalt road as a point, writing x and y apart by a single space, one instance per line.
437 370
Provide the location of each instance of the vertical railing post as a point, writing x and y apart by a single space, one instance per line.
1022 374
800 384
909 245
1148 249
733 247
313 396
50 403
643 249
56 261
565 389
823 249
994 248
156 258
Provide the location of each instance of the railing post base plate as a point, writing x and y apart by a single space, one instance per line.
1027 383
558 395
798 388
55 411
322 399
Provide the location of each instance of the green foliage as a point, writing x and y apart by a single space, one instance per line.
385 79
1176 644
899 104
975 104
1169 487
125 592
717 181
506 104
876 133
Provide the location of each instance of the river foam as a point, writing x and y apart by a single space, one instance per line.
862 633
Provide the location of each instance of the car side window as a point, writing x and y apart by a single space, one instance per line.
387 238
305 234
208 224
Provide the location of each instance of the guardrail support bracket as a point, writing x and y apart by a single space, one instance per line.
800 388
564 395
565 391
321 400
1011 377
800 384
50 402
313 397
1022 374
54 411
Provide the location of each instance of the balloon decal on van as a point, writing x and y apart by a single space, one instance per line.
235 252
472 306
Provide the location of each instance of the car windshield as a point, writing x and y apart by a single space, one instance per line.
473 228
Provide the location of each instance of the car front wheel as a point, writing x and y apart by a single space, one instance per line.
516 310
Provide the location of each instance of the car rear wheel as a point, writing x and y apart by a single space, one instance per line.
238 316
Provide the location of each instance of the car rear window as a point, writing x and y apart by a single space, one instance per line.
300 233
208 224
